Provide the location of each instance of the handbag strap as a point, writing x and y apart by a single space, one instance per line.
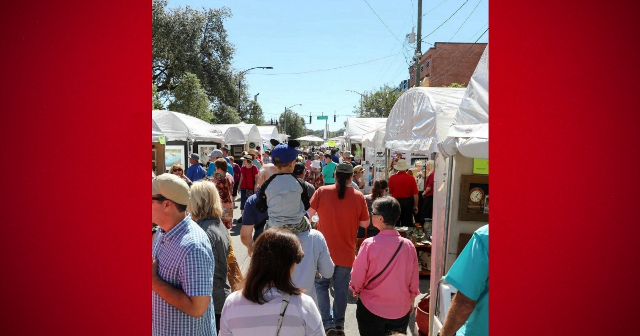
389 263
285 304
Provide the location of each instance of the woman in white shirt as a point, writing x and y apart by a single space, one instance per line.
270 304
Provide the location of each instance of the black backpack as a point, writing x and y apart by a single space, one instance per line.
261 205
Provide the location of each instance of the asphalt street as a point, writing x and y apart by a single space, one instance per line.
351 325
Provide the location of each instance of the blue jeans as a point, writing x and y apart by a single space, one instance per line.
334 317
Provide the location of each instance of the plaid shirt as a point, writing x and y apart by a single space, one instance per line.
185 260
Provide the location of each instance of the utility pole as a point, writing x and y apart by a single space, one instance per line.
418 47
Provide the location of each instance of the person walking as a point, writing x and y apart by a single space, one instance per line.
195 172
328 170
182 264
206 210
403 187
269 295
341 210
248 174
385 275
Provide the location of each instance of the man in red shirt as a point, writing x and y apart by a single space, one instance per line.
403 187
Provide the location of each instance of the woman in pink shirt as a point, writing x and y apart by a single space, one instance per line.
385 275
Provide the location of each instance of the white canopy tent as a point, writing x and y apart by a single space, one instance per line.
374 139
282 137
155 131
268 132
250 132
182 127
232 135
357 127
310 138
469 132
420 118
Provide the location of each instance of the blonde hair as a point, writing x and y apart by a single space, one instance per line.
175 165
431 164
204 201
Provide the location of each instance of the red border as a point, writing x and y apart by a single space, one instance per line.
564 139
75 128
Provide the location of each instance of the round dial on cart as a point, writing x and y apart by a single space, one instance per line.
476 195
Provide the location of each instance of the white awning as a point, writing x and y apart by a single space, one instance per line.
356 127
469 132
420 118
268 132
310 138
155 131
250 132
181 127
232 135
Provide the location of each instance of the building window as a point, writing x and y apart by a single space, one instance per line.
421 68
428 62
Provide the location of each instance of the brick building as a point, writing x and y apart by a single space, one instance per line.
436 67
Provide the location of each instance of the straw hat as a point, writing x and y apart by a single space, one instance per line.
402 165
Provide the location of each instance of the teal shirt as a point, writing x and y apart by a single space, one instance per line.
328 171
469 274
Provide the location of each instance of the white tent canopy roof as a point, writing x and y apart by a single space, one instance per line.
268 132
374 139
155 131
310 138
250 131
469 132
232 135
182 127
356 127
420 118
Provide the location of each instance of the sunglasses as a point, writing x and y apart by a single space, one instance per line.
375 213
159 198
177 169
298 259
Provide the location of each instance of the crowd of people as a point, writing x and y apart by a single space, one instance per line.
308 228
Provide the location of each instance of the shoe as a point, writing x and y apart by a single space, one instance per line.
239 220
331 332
235 206
340 331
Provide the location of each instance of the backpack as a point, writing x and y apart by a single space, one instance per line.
261 204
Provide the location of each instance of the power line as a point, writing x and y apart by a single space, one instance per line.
445 21
454 34
454 62
474 34
336 68
432 9
374 12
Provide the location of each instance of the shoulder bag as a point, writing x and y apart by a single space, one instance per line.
389 263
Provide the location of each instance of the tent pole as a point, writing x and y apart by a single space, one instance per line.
387 152
447 213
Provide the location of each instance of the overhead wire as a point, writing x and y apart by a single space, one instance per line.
445 21
374 12
432 9
321 70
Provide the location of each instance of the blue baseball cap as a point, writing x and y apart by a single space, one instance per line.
285 152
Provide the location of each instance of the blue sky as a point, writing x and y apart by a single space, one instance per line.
299 36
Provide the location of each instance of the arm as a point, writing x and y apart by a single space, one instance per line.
325 264
359 270
460 310
415 203
246 236
364 213
311 212
194 306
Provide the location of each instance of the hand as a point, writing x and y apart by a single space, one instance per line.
154 268
415 209
250 250
424 193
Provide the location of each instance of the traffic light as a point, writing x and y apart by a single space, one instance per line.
334 118
310 119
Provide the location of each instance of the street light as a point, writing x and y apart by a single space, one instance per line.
361 100
285 117
240 82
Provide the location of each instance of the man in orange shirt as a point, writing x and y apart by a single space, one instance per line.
341 210
403 187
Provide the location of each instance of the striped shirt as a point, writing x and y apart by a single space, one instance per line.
185 261
241 317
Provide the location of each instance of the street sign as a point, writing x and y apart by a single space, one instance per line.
323 117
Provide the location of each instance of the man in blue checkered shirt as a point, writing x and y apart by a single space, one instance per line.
182 264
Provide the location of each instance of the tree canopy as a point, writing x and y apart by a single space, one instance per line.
377 104
186 40
294 125
224 114
190 98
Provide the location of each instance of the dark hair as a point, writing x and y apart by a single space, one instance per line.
221 164
327 156
225 149
387 207
180 207
267 152
274 252
278 163
341 182
378 189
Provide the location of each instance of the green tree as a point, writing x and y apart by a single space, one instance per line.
155 101
294 124
189 40
256 115
190 98
224 114
377 104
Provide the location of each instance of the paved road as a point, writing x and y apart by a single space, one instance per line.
351 325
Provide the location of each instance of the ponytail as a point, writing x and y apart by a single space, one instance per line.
341 182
